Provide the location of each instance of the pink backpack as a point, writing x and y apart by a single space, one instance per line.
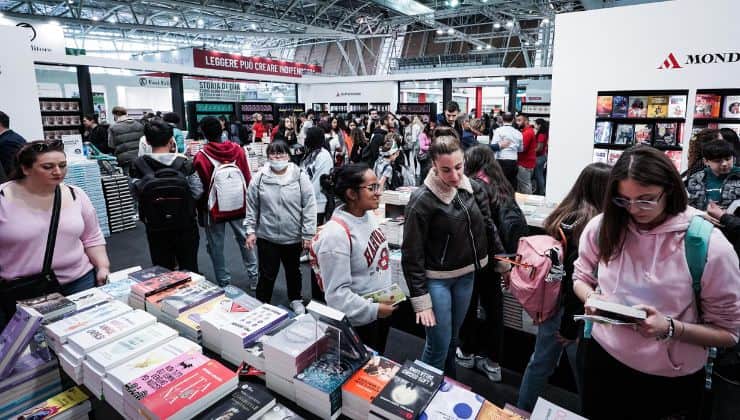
536 275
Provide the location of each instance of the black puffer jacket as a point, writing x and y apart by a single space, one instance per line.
444 235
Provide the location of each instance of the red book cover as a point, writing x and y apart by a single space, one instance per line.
188 389
159 283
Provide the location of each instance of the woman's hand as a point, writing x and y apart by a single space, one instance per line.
101 276
306 244
385 310
251 241
715 211
426 318
655 325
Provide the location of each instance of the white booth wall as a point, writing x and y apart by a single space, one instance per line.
622 48
384 92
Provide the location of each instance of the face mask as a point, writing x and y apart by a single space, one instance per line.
279 165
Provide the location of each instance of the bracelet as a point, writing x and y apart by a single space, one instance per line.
671 330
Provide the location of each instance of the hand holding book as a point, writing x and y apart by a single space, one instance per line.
656 325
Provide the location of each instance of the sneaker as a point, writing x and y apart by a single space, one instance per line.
253 285
464 360
297 307
304 258
491 369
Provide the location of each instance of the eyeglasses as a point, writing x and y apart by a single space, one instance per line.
371 187
45 145
277 155
641 204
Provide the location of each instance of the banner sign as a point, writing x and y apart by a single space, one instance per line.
259 65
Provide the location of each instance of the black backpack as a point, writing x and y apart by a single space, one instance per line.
165 199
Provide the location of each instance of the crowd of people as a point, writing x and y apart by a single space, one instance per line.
623 230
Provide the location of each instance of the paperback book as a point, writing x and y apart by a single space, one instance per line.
239 333
249 402
206 320
638 107
643 133
665 134
280 412
82 343
707 105
159 283
89 298
364 386
453 402
153 303
603 106
600 155
675 157
616 311
733 127
16 336
119 290
619 106
677 106
603 132
657 107
391 295
189 297
488 411
295 347
350 342
57 405
318 387
625 134
546 410
59 331
50 307
732 107
613 156
254 354
407 394
147 274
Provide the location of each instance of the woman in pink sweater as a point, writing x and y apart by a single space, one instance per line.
634 254
80 260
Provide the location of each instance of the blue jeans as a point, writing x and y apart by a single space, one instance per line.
539 174
450 300
215 245
85 282
544 360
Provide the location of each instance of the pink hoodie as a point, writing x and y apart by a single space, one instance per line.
652 270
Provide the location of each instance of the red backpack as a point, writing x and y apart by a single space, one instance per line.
313 252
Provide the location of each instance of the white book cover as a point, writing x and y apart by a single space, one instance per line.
453 402
115 353
295 338
120 289
111 330
89 298
545 410
62 329
245 330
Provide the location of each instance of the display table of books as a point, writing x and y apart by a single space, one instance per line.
85 175
132 357
535 208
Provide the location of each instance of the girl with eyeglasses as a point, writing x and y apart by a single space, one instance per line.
353 255
634 254
79 260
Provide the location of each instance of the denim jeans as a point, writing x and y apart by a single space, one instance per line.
544 360
450 300
524 180
539 174
215 233
85 282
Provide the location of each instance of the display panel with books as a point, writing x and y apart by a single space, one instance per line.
427 112
60 117
197 110
716 106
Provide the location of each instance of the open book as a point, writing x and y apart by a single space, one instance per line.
612 313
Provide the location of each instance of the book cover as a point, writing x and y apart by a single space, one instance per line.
367 382
619 106
131 345
603 106
189 389
731 107
154 301
15 337
159 283
101 334
89 298
637 107
675 157
337 319
147 274
707 105
603 132
255 323
600 155
240 297
61 329
280 412
249 401
616 310
613 156
733 127
50 307
453 402
643 133
327 373
677 106
119 290
409 392
545 410
625 134
392 295
56 405
657 107
190 297
488 411
665 134
27 367
163 375
140 365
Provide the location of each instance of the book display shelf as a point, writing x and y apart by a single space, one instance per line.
651 117
320 107
427 112
290 109
197 110
60 117
538 110
248 109
717 109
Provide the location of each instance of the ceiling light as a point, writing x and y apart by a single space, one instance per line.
200 22
509 23
95 18
175 19
440 32
454 3
254 26
488 47
478 48
497 25
450 31
545 21
54 22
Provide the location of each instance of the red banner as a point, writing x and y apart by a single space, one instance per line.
206 59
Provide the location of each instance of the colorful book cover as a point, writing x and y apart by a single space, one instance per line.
391 295
63 328
677 106
190 297
732 107
625 134
26 368
643 133
665 134
49 306
613 156
241 298
409 392
619 106
453 402
163 375
367 382
101 334
657 107
351 343
189 389
131 344
159 283
157 299
249 401
255 323
637 107
707 105
119 290
603 132
675 157
221 308
280 412
488 411
603 106
147 274
327 373
15 337
56 405
142 364
600 155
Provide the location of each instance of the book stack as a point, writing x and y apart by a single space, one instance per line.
190 394
190 322
361 389
119 284
119 203
196 294
239 332
290 351
72 404
154 302
280 412
249 402
145 274
350 344
50 307
153 285
136 392
117 377
32 381
393 230
396 198
318 388
452 401
89 298
407 394
102 360
254 354
80 344
58 332
85 175
15 338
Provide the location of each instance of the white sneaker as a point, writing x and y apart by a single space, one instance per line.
489 368
253 285
297 307
304 258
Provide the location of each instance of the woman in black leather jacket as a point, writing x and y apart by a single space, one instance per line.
445 241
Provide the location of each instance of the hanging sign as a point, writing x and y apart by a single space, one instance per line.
259 65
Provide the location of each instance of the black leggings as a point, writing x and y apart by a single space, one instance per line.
485 337
270 255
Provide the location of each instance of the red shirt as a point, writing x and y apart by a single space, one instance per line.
528 157
542 139
259 130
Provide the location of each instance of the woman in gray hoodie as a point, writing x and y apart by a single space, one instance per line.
280 221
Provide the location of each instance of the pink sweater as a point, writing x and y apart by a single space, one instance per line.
652 270
23 233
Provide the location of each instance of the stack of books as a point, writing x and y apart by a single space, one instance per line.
393 230
190 323
407 394
85 174
142 275
32 381
397 271
119 284
119 203
249 402
153 303
58 332
280 412
318 388
16 337
239 332
50 307
349 342
397 198
104 359
361 389
89 298
72 404
254 354
117 377
153 285
453 401
196 294
79 345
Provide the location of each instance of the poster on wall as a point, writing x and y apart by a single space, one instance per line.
99 106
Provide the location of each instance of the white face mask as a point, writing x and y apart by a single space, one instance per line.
279 165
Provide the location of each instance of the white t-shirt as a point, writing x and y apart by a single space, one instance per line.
507 132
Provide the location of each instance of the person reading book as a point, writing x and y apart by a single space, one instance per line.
635 254
353 255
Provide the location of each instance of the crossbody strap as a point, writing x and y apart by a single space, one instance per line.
53 227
